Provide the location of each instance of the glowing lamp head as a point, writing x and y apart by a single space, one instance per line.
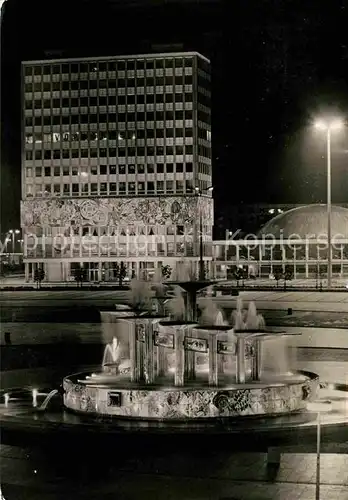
320 125
335 124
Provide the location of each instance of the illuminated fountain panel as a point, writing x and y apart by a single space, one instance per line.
160 368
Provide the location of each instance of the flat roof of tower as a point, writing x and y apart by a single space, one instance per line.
107 58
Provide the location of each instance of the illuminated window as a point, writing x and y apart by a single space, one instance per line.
169 187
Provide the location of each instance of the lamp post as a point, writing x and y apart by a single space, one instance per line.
199 193
318 407
329 126
13 232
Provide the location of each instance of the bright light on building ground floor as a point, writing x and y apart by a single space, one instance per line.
258 259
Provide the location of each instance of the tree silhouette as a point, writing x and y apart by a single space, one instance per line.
80 275
120 272
39 276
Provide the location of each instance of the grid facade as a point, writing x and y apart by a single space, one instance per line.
108 129
119 127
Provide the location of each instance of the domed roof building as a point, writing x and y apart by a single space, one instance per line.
309 221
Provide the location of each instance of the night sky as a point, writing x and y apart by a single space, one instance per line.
275 65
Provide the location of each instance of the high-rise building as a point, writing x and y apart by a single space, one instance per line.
116 164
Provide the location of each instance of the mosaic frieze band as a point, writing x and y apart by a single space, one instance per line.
183 404
117 211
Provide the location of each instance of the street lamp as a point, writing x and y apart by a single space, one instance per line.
13 232
200 192
318 407
329 126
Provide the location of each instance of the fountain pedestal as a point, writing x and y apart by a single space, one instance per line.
240 375
184 369
256 361
191 288
210 335
141 349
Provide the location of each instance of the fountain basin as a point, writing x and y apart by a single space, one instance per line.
112 397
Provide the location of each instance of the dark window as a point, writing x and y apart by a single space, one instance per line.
169 80
150 81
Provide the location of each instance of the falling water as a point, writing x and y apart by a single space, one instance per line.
275 357
252 320
176 306
211 314
140 295
219 320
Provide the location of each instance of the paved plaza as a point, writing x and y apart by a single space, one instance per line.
181 475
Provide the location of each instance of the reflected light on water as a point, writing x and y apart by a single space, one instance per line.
35 393
7 399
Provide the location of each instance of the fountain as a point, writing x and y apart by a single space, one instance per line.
172 368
